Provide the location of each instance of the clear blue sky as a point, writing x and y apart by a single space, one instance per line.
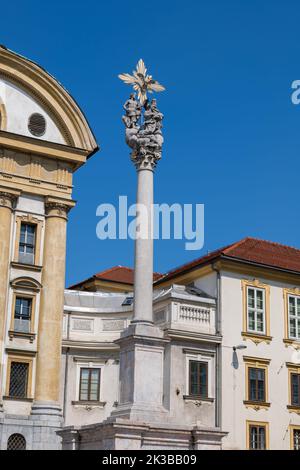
232 135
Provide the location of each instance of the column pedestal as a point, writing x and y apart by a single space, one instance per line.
141 374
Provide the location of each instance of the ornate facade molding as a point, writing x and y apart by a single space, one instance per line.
57 209
8 199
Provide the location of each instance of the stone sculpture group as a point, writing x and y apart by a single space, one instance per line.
143 131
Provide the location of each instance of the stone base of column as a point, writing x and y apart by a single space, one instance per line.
46 411
129 435
141 374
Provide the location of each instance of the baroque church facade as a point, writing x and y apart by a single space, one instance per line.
226 361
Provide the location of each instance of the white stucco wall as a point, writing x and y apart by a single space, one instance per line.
234 412
208 284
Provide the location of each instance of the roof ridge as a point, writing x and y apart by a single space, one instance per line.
270 242
196 260
113 268
236 244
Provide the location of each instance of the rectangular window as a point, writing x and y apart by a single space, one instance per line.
18 379
256 384
257 437
27 243
296 439
294 316
89 388
198 378
256 310
22 316
295 389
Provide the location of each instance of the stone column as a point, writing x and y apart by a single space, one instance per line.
7 201
47 389
143 266
142 344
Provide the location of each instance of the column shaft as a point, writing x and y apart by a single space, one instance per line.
143 266
51 307
6 205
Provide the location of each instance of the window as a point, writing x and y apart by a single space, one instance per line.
128 301
256 310
295 389
18 379
256 384
257 437
89 387
295 438
22 315
27 243
294 316
198 378
16 442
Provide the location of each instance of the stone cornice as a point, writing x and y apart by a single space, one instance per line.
21 143
193 336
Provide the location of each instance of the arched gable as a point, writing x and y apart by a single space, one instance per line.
20 75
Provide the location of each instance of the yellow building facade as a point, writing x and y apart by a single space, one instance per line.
44 139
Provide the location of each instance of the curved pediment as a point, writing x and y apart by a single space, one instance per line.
25 282
34 104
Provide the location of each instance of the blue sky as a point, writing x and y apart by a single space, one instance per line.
232 134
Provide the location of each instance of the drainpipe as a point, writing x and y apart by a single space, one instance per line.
218 371
66 369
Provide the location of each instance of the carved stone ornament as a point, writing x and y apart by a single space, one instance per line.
143 120
7 199
143 132
56 209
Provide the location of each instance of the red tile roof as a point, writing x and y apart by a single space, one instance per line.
120 274
253 250
248 249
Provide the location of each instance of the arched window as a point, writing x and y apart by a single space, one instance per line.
16 442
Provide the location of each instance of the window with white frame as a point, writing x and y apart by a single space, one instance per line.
294 316
89 377
198 378
256 311
27 243
22 314
199 375
89 386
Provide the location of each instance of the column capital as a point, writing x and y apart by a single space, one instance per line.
145 160
8 197
58 207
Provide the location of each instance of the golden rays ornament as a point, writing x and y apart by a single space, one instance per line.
141 82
